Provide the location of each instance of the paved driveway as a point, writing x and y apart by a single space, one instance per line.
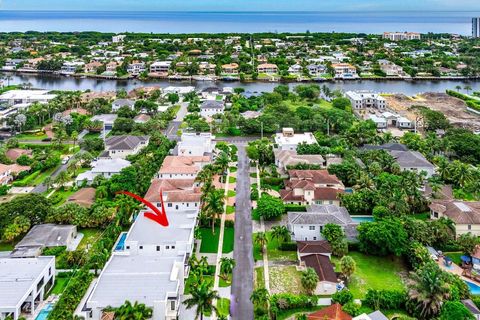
242 281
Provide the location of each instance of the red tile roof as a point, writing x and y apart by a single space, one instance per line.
333 312
321 246
322 266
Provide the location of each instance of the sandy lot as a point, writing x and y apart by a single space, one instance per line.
454 109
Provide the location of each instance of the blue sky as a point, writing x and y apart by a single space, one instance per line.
242 5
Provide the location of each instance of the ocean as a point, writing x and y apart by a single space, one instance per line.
241 22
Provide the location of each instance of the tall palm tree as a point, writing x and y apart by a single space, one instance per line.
226 267
214 202
260 297
261 239
62 179
222 162
427 289
202 299
280 233
468 88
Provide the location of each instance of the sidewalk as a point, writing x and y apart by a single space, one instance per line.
266 273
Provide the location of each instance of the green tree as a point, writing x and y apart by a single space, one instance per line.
202 297
455 310
309 280
270 207
347 266
260 239
214 205
467 242
226 267
260 297
137 311
62 179
280 233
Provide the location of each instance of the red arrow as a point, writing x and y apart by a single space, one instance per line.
157 216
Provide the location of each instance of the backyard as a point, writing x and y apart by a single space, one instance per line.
210 241
381 273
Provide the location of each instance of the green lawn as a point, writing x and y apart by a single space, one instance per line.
91 135
90 236
231 193
230 209
60 284
232 179
253 175
274 254
210 241
41 177
259 278
381 273
233 169
222 283
62 195
223 307
31 136
455 256
6 246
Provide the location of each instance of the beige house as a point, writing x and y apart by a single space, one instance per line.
465 215
231 68
267 68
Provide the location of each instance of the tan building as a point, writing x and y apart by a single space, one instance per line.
267 68
466 215
182 167
231 68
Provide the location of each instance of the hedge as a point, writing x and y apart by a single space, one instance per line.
286 301
385 299
288 246
295 208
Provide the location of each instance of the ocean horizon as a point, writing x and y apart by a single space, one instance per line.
458 22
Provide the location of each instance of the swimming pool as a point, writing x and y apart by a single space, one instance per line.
43 315
360 219
474 288
120 246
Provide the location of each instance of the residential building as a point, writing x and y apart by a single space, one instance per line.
307 226
231 68
205 67
118 38
178 194
22 97
160 67
24 284
289 140
366 99
465 214
380 122
117 104
476 27
8 172
142 118
43 236
195 144
296 70
84 197
182 167
71 67
333 312
308 187
376 315
401 36
327 278
287 158
316 70
267 68
104 167
470 305
136 67
107 119
124 146
92 67
15 153
391 69
12 64
344 71
209 108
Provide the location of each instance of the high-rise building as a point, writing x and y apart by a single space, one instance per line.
476 27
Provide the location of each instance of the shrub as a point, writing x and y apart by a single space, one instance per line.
352 309
385 299
54 251
288 246
286 301
295 208
342 297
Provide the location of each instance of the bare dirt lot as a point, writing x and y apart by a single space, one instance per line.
454 109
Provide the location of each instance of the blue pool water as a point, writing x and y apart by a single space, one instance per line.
121 242
43 315
474 289
361 219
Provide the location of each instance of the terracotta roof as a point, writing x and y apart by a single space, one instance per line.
13 168
83 197
174 190
183 164
333 312
321 246
460 212
15 153
316 176
320 194
322 266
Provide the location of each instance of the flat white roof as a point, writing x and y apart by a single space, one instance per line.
108 118
26 94
18 276
296 139
360 95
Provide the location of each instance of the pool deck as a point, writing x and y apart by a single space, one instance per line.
455 269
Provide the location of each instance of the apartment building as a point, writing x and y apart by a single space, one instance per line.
401 36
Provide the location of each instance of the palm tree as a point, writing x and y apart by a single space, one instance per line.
280 233
62 179
261 240
226 267
222 162
348 266
74 137
309 280
458 88
214 202
137 311
202 298
427 289
48 182
468 89
260 297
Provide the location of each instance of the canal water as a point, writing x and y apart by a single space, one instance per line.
52 82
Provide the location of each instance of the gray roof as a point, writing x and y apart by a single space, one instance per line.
124 102
17 276
212 104
412 159
321 214
124 142
471 306
47 235
393 146
377 315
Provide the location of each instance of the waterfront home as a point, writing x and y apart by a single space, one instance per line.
267 68
231 68
26 97
307 226
136 67
195 144
111 67
71 67
92 67
210 108
124 146
161 67
117 104
286 158
12 64
344 71
366 99
465 214
289 140
182 167
24 284
104 167
206 68
295 70
307 187
316 70
391 69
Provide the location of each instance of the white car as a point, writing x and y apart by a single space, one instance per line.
65 160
